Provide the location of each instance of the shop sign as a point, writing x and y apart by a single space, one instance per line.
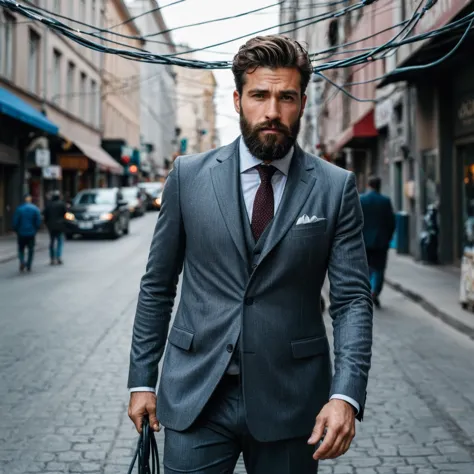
383 113
464 119
52 172
42 157
73 162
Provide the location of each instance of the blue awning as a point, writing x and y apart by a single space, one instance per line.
17 108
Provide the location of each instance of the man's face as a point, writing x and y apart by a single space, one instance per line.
270 109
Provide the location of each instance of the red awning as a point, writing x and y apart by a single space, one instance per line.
363 128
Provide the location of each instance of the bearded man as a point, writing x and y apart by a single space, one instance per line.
256 225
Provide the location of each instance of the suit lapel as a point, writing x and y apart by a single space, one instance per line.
298 186
226 183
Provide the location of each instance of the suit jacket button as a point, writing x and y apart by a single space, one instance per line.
249 301
230 348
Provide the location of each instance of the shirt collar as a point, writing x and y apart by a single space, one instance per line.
248 161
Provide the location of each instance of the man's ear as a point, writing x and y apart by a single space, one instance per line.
237 101
303 104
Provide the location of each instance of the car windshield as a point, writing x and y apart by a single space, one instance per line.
129 193
103 196
151 186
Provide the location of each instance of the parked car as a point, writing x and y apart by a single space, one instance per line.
136 200
98 212
152 190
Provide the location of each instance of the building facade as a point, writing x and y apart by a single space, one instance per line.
434 165
158 101
62 80
196 110
121 86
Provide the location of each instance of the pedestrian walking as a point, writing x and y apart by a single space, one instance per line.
256 225
26 223
54 218
379 225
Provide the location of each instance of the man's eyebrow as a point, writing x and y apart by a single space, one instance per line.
289 92
258 91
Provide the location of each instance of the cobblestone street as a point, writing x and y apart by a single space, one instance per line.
64 345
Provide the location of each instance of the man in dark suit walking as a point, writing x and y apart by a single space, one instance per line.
379 225
256 226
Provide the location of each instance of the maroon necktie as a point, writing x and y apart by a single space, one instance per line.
264 204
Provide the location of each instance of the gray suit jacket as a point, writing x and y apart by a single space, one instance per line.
274 308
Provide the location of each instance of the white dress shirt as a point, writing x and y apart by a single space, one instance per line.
250 181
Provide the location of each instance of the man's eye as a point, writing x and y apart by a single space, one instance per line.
288 98
258 96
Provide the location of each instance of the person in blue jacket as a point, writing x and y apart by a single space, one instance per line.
26 223
379 225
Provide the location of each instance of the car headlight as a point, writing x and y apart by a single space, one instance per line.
158 201
107 216
131 209
69 216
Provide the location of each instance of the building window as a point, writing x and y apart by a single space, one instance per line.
6 47
33 62
71 70
94 104
82 96
82 10
56 76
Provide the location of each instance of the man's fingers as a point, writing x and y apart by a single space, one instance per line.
336 449
327 444
318 430
155 425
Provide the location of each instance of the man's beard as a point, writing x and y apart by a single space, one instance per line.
270 147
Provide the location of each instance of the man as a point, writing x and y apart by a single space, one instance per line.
257 223
54 219
26 223
379 225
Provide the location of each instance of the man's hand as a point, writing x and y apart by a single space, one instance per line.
141 404
338 418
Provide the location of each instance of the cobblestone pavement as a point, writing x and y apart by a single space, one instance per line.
64 342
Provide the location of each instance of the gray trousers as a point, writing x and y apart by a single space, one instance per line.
213 444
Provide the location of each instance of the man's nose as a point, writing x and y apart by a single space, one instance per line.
273 110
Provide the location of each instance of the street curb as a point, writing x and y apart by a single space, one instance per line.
431 308
15 256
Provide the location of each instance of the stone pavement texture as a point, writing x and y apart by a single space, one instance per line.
64 343
436 288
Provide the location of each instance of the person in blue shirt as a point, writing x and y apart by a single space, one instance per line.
26 223
379 225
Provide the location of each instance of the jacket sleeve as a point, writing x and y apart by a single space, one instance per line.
351 301
38 219
158 287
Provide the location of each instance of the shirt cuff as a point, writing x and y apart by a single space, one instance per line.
348 400
142 389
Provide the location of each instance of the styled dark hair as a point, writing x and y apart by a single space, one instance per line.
375 182
272 52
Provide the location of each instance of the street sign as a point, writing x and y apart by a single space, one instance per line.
52 172
42 157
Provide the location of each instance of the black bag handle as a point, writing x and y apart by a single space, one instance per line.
146 450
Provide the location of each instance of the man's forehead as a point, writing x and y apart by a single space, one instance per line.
285 78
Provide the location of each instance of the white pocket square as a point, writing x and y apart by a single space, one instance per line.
304 219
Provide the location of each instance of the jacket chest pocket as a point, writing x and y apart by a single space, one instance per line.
309 230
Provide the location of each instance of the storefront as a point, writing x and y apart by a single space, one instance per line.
463 120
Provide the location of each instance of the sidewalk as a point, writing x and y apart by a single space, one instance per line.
8 247
435 288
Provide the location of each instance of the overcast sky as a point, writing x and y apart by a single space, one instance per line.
194 11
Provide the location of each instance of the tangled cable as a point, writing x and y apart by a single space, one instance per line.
146 450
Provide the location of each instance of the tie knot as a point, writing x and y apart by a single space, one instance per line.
266 172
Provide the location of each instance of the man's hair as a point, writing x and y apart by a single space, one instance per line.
271 52
375 182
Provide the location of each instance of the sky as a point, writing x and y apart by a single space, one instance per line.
194 11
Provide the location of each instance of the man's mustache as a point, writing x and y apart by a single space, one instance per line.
274 125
